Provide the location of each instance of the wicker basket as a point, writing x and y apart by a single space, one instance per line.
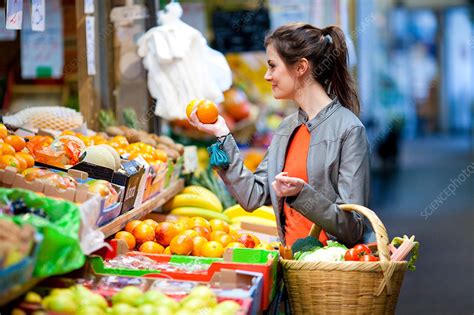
346 287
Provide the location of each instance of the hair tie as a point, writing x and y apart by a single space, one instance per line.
328 38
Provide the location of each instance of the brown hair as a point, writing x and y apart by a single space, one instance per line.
326 52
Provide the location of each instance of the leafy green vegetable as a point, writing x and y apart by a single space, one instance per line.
306 244
334 251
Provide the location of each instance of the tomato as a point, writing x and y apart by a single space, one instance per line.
362 249
351 255
369 257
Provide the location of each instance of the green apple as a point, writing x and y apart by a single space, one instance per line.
147 309
151 297
194 304
123 309
95 300
163 310
33 297
129 295
169 303
62 303
202 292
90 310
185 312
227 308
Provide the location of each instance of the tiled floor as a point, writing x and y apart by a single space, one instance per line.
444 280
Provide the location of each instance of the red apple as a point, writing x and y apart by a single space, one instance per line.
104 189
247 240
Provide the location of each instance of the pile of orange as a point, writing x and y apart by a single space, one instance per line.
187 236
88 140
13 151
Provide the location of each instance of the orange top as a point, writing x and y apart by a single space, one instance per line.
296 225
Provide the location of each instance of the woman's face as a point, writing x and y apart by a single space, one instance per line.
282 80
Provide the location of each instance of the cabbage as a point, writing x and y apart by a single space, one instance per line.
334 251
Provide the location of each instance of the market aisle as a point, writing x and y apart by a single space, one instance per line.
444 280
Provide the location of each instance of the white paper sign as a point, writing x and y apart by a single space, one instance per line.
5 35
90 45
89 6
14 14
37 15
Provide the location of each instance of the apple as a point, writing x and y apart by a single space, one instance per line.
202 292
151 297
193 303
122 309
62 303
163 310
227 308
147 309
104 189
247 240
169 303
128 295
90 310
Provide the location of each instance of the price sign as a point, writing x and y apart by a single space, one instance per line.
37 15
14 14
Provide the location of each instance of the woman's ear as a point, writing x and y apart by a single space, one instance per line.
302 67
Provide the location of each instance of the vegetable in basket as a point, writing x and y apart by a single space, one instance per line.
334 251
405 246
360 252
306 244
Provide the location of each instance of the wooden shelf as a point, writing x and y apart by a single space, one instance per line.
147 207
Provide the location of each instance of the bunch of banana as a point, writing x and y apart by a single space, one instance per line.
262 216
196 201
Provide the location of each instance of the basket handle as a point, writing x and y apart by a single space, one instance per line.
379 229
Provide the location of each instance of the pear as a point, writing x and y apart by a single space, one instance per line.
129 295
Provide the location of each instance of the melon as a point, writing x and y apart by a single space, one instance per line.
99 155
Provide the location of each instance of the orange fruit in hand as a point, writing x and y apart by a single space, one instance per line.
16 141
212 249
190 107
7 149
131 225
198 242
181 245
235 245
9 160
3 131
151 247
30 161
143 232
22 163
203 231
219 225
165 232
207 112
198 221
225 239
215 235
127 237
151 223
190 233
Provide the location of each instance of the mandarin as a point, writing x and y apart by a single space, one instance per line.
127 237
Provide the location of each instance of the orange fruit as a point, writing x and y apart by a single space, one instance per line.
207 112
16 141
198 221
235 245
22 163
127 237
3 131
165 232
225 239
190 233
151 223
9 160
30 161
212 249
184 220
219 225
180 226
143 232
181 245
203 231
151 247
190 107
198 242
160 155
233 232
131 225
7 149
215 235
256 239
167 251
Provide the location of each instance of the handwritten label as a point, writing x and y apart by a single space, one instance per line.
37 15
90 45
89 6
14 14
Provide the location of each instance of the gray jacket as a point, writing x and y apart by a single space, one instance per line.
337 166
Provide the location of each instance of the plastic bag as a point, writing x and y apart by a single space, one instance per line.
60 250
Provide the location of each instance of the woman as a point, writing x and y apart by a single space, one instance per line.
319 156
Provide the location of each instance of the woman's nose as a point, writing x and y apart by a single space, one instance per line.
267 76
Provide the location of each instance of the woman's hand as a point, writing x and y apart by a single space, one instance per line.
286 186
218 129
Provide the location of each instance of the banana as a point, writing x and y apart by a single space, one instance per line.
254 220
190 200
264 212
198 190
199 212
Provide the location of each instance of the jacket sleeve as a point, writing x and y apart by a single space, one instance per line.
353 187
249 189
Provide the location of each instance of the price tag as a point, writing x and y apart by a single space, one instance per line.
38 15
190 159
89 6
14 14
90 45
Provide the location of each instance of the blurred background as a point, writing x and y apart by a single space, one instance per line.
413 62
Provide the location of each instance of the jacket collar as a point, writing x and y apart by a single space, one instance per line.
320 117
